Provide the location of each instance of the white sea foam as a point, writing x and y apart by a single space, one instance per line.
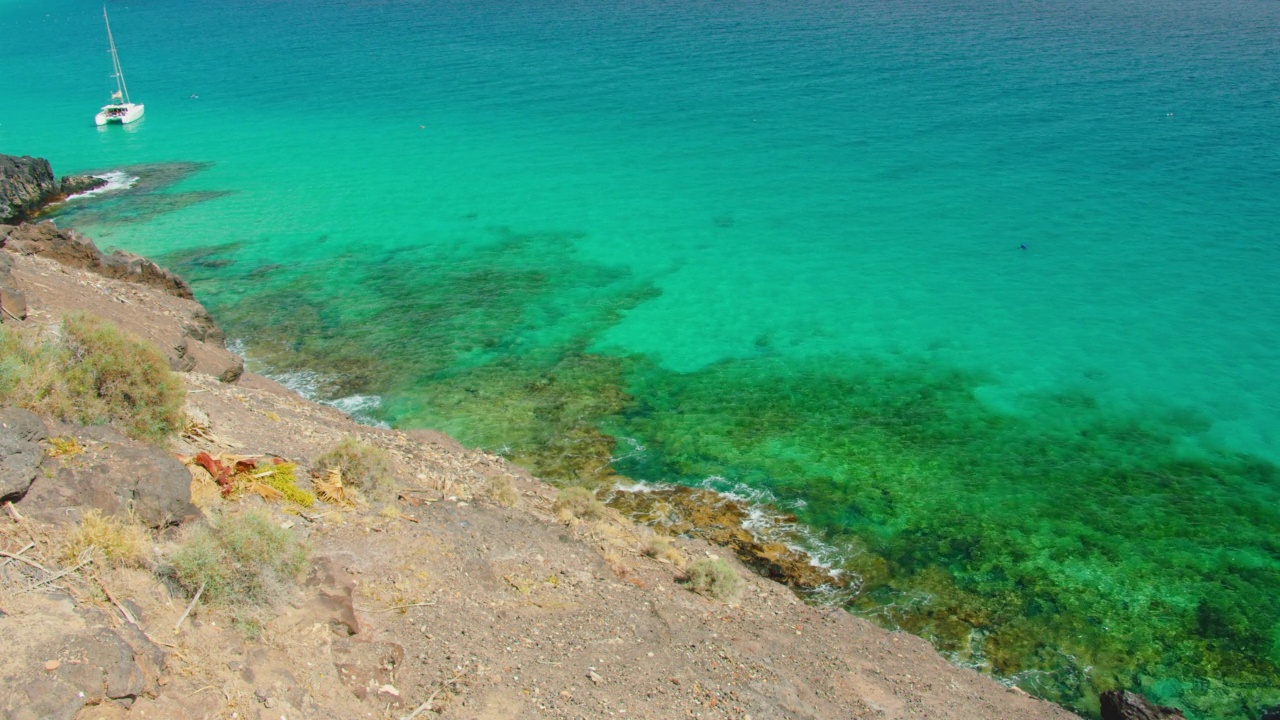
306 383
766 522
116 180
359 408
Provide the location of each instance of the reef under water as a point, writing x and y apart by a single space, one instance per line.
1069 545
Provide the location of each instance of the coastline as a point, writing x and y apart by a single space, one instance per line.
902 682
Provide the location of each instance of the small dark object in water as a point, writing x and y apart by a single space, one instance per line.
1023 246
1124 705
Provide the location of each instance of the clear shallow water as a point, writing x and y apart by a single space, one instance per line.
776 243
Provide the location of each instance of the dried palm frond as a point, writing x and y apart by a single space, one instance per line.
331 489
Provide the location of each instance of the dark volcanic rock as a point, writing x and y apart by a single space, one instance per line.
76 184
71 248
1124 705
26 183
117 476
20 452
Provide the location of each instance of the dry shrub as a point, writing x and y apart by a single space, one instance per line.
368 468
715 579
613 559
578 503
500 490
93 374
661 549
121 543
244 558
28 366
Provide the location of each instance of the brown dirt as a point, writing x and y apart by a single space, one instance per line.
444 594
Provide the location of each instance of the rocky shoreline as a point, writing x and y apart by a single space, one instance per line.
27 185
453 591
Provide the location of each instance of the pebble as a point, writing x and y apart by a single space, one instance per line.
595 677
52 665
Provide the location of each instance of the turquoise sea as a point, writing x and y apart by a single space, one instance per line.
986 292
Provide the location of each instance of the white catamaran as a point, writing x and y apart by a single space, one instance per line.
120 109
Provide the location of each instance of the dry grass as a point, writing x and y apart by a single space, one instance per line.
368 468
578 503
500 490
121 543
245 558
661 549
614 560
715 579
63 447
91 374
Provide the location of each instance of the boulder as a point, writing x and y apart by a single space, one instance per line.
76 184
26 184
13 303
1124 705
115 475
21 432
75 250
191 355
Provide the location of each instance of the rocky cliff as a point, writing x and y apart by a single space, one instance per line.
27 184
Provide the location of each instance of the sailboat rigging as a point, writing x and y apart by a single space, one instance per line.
121 109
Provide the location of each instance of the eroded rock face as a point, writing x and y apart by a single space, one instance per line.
73 249
115 475
679 510
26 184
1124 705
20 452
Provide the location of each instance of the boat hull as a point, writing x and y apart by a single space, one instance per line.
119 114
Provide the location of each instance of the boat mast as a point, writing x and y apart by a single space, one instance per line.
122 90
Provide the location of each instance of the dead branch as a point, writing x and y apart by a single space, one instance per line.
426 705
86 557
187 612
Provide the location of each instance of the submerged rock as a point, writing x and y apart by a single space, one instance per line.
26 184
680 510
1124 705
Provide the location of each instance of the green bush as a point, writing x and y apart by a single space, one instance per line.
244 558
93 374
715 579
368 468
